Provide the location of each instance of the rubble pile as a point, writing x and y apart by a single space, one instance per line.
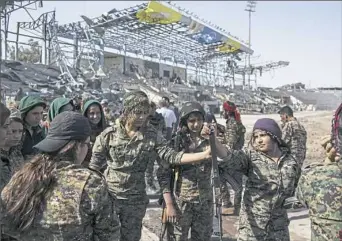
48 81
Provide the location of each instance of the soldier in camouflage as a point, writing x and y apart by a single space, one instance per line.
12 148
77 204
31 109
192 183
126 149
320 189
155 121
234 139
272 174
294 134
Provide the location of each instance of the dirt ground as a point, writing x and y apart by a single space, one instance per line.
317 125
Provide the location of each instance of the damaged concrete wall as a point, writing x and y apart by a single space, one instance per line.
114 63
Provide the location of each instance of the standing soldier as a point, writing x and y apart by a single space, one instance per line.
93 111
272 173
320 189
12 148
126 149
192 183
31 109
235 140
294 134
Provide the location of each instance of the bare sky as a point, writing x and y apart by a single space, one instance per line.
308 33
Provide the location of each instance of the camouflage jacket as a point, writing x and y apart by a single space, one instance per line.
15 158
5 171
127 160
294 135
268 185
79 207
234 134
194 182
320 188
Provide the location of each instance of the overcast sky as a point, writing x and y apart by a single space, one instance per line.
308 33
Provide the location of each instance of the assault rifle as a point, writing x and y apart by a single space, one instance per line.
215 182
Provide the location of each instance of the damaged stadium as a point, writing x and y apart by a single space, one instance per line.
156 47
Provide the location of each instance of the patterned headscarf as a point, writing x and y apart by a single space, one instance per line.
230 107
136 102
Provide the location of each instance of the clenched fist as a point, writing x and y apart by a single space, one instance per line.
331 154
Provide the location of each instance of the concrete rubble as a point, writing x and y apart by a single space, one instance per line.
48 81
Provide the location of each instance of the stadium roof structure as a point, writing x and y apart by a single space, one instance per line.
157 29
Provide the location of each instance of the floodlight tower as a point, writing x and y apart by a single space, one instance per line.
250 8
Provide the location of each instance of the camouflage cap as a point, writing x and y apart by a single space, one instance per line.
136 101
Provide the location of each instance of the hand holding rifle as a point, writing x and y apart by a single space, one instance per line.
207 129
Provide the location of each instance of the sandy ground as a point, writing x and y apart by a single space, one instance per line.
317 124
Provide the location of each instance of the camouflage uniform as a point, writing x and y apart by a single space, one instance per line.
127 160
193 190
10 162
5 171
320 188
194 198
234 139
78 207
15 158
294 135
263 216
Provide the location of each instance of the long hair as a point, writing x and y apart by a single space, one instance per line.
23 197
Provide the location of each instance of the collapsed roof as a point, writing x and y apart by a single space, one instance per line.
158 30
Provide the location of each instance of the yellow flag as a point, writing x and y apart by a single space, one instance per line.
229 46
158 13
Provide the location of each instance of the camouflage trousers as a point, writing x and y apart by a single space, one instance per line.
130 216
249 230
198 217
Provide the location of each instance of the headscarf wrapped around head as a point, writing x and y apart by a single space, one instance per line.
271 127
230 107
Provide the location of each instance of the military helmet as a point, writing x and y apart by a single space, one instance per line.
190 107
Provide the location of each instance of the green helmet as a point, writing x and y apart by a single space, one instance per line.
188 108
